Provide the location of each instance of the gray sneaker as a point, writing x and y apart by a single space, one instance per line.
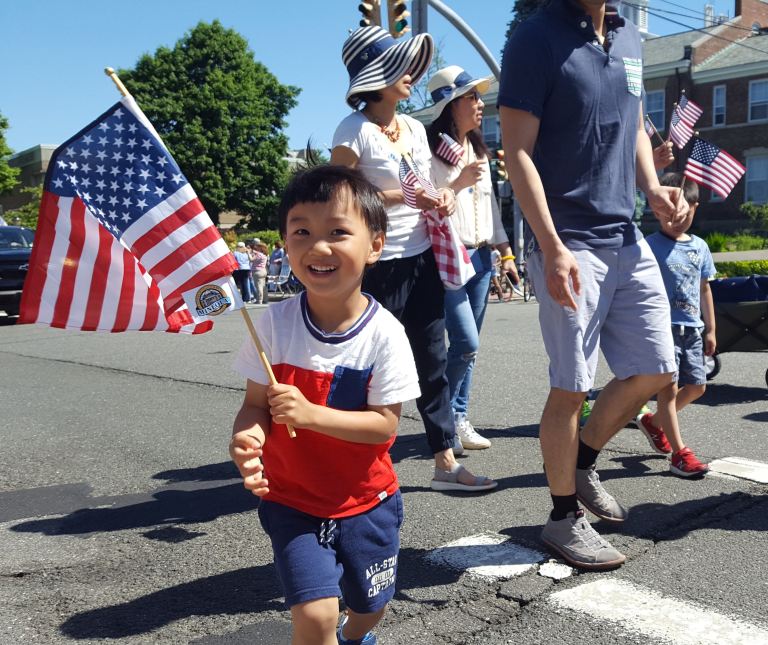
458 449
579 544
595 498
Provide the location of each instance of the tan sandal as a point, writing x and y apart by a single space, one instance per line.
446 480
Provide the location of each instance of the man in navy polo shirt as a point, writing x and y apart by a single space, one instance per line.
576 148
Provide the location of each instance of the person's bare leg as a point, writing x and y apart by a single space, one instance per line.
559 438
666 416
688 394
358 625
314 622
618 403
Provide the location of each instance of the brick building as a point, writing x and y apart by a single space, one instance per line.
723 68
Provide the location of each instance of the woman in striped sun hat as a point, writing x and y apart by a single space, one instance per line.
374 139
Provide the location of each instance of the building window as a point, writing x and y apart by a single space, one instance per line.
491 132
654 107
718 105
758 100
757 179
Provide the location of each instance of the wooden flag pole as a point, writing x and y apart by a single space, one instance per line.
682 183
263 357
116 80
249 323
655 131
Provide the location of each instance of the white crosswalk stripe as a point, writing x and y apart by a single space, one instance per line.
654 615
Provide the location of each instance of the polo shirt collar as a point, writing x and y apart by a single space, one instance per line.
573 13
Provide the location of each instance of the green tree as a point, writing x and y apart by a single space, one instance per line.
523 10
221 113
8 175
757 213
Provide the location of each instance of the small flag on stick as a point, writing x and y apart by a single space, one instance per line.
411 179
710 166
449 150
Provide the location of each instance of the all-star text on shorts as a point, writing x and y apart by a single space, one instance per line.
622 310
353 557
689 353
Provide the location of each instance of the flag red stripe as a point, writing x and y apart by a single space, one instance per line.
213 271
38 261
71 264
183 253
152 313
127 293
93 308
165 227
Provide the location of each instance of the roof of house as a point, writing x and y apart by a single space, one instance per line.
666 49
736 54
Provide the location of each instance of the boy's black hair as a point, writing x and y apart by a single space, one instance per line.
690 188
323 184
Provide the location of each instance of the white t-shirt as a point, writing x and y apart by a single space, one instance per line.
379 161
477 217
375 345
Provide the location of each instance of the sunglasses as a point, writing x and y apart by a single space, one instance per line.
472 96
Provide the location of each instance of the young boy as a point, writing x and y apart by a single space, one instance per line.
686 266
329 497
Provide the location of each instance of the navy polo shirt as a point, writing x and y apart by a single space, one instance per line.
587 97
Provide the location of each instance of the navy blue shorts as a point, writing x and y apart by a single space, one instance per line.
689 354
353 557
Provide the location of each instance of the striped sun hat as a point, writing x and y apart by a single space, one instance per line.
375 60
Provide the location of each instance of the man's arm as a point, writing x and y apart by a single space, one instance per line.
663 200
519 130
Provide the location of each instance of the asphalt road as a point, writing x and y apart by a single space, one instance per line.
122 519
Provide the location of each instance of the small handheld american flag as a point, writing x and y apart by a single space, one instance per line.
710 166
679 131
411 179
449 150
689 111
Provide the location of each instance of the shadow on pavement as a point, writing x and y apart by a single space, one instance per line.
244 591
725 394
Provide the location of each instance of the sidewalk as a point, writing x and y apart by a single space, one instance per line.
740 256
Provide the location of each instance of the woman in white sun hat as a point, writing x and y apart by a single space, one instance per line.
405 281
460 161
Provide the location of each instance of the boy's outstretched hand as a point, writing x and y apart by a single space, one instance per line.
245 450
288 405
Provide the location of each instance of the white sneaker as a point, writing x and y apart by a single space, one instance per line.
469 437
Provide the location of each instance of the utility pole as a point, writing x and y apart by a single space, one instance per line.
419 13
457 21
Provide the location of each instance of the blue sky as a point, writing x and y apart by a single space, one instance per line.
52 53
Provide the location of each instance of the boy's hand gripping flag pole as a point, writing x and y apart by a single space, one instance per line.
254 336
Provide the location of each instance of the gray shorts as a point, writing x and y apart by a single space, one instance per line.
689 353
623 310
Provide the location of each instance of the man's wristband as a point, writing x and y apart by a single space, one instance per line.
504 258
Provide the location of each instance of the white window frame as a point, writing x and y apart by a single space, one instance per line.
749 178
491 127
660 123
751 87
718 109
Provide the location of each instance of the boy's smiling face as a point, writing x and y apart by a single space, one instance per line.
329 245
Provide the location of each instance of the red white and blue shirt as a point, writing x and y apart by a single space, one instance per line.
370 363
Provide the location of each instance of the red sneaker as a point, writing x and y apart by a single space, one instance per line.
685 464
655 436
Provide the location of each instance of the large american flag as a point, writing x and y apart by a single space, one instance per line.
710 166
121 236
449 150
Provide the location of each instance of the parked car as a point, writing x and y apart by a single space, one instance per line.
15 249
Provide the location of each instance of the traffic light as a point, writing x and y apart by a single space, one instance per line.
501 167
371 11
398 17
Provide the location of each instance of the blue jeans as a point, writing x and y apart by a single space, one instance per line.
464 313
